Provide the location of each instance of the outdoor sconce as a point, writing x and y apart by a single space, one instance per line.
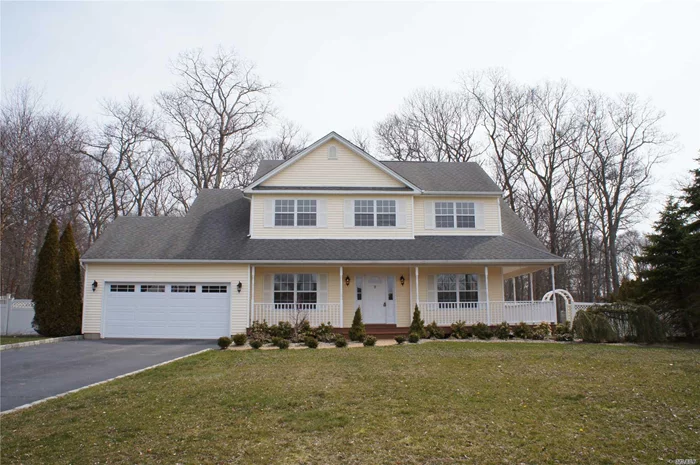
94 286
347 280
239 286
402 280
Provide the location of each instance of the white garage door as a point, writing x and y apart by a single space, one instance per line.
173 311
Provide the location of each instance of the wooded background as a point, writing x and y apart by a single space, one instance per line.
576 165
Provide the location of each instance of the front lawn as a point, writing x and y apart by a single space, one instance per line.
16 339
429 403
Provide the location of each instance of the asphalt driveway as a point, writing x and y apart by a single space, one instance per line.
33 373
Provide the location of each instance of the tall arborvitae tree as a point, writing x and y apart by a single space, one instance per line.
47 281
70 295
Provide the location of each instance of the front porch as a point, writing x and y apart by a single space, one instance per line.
387 295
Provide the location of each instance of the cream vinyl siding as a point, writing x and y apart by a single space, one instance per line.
403 294
230 274
348 170
335 219
491 216
332 272
495 279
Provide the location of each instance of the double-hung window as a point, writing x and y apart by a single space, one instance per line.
289 212
295 290
457 290
381 213
455 214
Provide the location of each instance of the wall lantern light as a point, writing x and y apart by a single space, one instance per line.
94 286
347 280
402 280
239 286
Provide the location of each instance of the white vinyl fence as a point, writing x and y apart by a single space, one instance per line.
16 316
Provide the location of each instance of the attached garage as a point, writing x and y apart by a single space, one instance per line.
166 310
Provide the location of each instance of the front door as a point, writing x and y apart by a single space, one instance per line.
375 299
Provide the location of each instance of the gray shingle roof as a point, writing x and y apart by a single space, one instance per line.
429 176
216 228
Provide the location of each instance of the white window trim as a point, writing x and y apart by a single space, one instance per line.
374 212
454 214
295 291
457 290
295 213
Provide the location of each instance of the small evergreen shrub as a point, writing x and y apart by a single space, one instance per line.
283 329
482 331
310 342
413 338
275 340
283 344
433 331
502 331
323 332
256 344
400 339
522 331
369 341
562 332
340 341
240 339
541 331
357 330
460 330
417 324
224 342
260 331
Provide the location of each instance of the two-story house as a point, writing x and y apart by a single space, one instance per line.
317 236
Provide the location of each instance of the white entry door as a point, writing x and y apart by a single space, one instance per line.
167 310
374 300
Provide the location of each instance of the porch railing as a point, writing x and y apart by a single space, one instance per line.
446 313
314 313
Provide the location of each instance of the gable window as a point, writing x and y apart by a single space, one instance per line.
290 212
457 290
291 290
455 214
381 213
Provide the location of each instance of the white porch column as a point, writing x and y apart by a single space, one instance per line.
488 305
515 296
532 291
552 273
341 297
251 302
250 309
417 289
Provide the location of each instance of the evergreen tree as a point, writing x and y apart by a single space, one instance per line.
691 270
70 295
46 284
417 325
357 330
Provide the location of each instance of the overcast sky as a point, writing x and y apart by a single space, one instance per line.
344 65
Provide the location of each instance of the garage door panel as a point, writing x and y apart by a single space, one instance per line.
182 315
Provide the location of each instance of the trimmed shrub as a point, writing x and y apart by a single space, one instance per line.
502 331
276 340
460 330
283 329
417 324
541 331
357 330
369 341
413 338
323 332
482 331
562 332
340 341
522 331
240 339
400 339
224 342
260 331
433 331
256 344
283 344
631 322
310 342
47 281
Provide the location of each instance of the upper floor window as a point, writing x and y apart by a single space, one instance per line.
375 213
455 214
290 212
